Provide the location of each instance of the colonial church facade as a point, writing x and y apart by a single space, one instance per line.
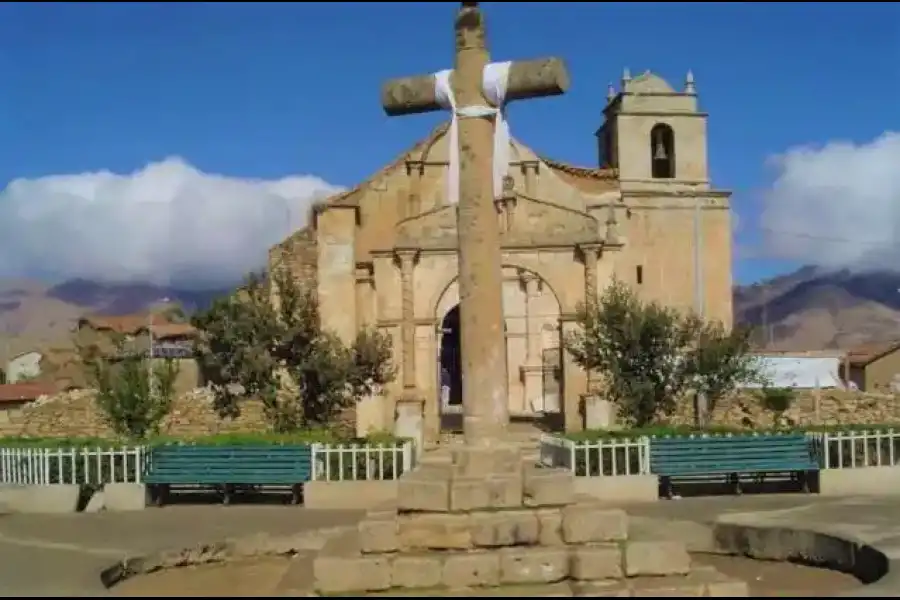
383 254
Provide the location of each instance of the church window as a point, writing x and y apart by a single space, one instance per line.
639 274
662 151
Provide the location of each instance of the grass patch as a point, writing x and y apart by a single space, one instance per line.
686 431
224 439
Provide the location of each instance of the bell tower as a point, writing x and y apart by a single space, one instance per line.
655 136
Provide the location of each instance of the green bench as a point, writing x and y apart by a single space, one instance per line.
732 456
227 468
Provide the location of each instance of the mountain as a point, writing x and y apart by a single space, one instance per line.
36 315
812 308
809 309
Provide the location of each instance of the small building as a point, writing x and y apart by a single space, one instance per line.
24 366
135 334
874 367
799 370
16 396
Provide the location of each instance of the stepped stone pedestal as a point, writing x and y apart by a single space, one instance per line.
479 522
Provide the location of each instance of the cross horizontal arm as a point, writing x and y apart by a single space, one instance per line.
527 79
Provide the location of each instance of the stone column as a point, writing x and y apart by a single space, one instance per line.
533 369
410 418
598 412
407 258
483 342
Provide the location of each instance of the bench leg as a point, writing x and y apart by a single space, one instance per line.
667 489
158 494
736 482
228 490
804 481
296 493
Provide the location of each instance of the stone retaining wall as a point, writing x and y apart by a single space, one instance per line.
75 414
822 407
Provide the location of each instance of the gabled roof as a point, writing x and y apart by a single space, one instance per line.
865 354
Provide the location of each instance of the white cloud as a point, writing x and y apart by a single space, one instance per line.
166 223
836 205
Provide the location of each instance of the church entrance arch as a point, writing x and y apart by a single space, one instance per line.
531 320
450 372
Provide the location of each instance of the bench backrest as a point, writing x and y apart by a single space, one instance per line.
294 461
684 455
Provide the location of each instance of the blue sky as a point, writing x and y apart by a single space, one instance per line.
272 90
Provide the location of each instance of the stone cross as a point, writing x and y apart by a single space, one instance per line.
482 335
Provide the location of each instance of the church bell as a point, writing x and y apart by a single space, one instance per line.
660 152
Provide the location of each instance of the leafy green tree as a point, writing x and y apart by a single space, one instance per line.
134 392
652 355
266 341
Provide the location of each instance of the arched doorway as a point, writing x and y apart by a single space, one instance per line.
450 372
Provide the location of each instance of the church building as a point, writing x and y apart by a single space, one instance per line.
384 254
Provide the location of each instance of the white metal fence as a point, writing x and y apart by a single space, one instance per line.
353 462
597 458
857 449
83 466
631 456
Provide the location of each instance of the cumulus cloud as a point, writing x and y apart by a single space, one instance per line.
836 206
167 223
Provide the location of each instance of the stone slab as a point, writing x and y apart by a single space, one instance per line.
435 532
415 572
585 523
485 461
548 487
505 528
533 565
656 558
596 562
426 489
491 492
473 569
124 496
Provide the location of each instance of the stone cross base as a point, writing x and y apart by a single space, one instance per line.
479 522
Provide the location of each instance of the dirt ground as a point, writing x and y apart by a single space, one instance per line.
259 577
771 579
247 578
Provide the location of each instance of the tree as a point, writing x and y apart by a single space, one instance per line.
134 392
652 355
266 341
720 360
2 377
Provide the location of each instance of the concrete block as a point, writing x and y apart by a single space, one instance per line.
602 561
622 488
379 532
96 503
656 558
671 586
482 462
871 481
508 528
584 523
424 490
471 569
717 584
496 491
413 572
58 498
550 526
548 487
435 532
125 496
549 590
348 495
533 565
333 575
601 589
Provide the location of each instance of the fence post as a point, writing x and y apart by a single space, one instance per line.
407 457
314 459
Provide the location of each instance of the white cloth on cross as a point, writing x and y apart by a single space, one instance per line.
494 83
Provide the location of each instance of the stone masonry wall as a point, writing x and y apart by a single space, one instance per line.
74 414
834 407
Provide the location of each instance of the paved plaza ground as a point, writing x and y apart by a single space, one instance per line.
63 555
